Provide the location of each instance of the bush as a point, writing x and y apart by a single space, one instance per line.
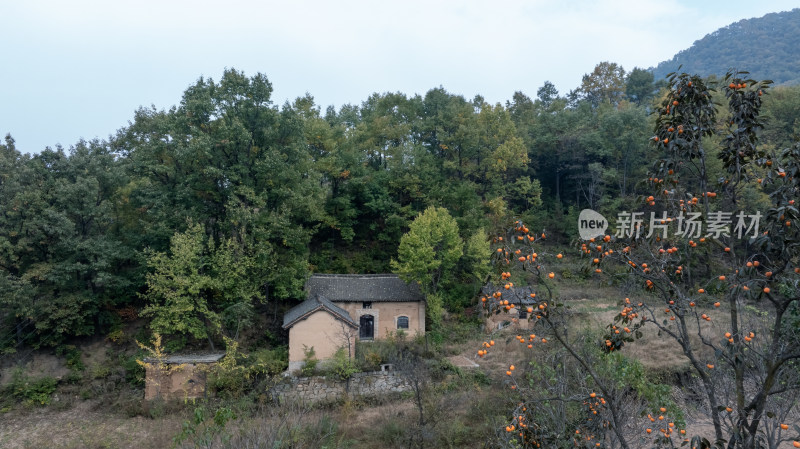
342 367
229 376
239 373
99 371
372 360
370 355
32 391
130 403
134 372
73 356
310 361
269 362
205 428
155 409
73 378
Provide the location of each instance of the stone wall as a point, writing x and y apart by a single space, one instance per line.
175 381
321 389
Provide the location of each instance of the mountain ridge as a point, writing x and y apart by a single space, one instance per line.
768 47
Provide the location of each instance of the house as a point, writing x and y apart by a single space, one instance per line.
340 308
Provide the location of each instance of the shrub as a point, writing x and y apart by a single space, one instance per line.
73 378
310 361
238 373
372 360
32 391
269 362
204 429
134 372
229 376
370 355
99 371
73 356
341 366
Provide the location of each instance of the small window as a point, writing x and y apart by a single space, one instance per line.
523 315
366 305
402 322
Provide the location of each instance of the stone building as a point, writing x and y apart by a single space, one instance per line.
340 308
178 376
516 313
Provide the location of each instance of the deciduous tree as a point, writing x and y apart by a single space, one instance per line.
427 255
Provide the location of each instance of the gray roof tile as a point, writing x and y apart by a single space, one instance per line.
210 357
517 295
362 287
311 305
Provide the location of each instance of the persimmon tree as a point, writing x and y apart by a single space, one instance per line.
719 277
570 393
714 273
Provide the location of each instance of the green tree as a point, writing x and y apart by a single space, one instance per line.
558 147
177 288
639 86
65 267
201 289
230 160
622 134
782 113
506 154
15 289
547 94
477 253
427 255
606 83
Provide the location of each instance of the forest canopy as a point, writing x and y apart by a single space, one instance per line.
227 201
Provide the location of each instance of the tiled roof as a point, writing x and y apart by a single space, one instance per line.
362 287
311 305
189 358
518 295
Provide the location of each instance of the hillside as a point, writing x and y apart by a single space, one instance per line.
768 47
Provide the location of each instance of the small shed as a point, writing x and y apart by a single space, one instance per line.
520 299
178 376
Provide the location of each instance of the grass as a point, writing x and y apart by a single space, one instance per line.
83 427
81 417
592 308
463 408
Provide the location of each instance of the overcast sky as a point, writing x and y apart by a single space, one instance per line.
80 68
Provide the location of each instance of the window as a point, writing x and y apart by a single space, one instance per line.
402 322
366 305
523 315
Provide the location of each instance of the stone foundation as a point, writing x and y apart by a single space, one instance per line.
321 389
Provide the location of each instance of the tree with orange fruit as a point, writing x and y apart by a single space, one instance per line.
730 299
570 394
